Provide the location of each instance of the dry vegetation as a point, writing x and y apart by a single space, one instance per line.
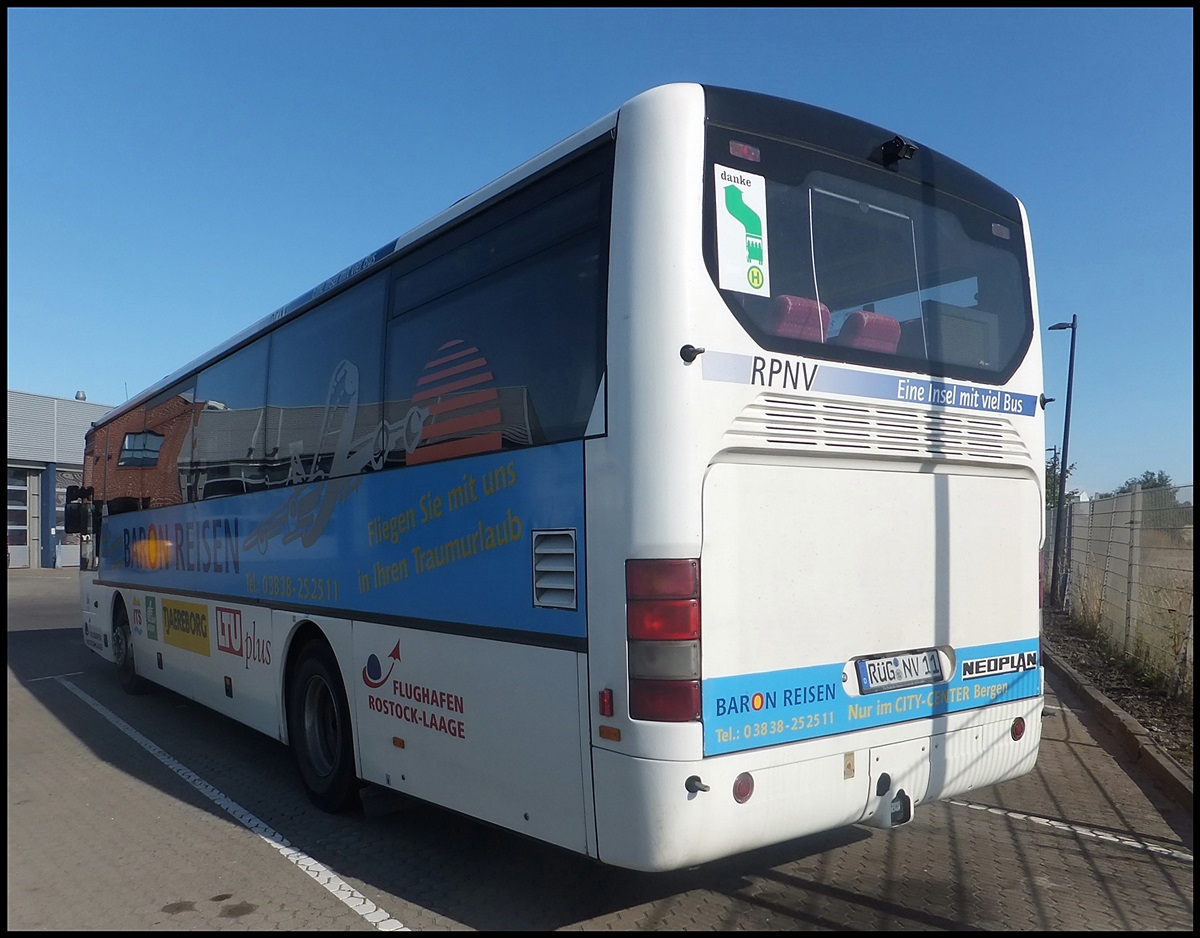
1168 721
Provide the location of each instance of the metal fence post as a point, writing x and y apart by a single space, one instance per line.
1135 504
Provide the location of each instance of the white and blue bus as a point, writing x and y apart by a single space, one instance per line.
677 494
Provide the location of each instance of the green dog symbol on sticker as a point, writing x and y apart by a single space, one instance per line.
750 221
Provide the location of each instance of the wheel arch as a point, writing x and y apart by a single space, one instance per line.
132 681
116 601
302 633
308 634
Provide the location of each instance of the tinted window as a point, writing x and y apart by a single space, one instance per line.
228 451
140 449
169 417
832 259
498 341
324 394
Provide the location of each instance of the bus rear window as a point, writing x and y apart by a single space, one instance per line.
829 259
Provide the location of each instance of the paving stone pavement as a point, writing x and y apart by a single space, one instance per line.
1138 742
60 823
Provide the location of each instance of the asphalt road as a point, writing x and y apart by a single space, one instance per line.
150 812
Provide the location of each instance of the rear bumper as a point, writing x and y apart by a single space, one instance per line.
648 820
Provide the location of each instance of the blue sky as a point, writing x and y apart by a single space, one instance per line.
175 175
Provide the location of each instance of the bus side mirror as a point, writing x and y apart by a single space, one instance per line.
75 515
73 493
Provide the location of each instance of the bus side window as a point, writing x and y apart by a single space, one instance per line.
122 504
797 317
873 331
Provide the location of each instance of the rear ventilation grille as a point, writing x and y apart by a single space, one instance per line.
813 424
554 569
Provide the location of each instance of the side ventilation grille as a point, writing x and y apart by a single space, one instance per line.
554 569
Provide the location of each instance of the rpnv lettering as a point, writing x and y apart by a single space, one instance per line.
776 372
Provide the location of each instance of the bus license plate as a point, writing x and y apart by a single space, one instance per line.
890 672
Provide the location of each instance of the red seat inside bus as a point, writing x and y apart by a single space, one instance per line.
873 331
798 317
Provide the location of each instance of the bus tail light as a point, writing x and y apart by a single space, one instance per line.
662 624
664 701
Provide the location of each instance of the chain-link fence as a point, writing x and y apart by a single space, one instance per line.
1127 560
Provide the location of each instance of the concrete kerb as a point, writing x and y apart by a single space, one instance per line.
1134 738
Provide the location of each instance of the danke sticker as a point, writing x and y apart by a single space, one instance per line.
742 231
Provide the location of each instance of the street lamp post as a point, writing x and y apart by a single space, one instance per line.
1056 590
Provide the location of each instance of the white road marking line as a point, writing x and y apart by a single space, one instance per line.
1078 829
343 891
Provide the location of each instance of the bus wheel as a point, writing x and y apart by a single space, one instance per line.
131 683
319 730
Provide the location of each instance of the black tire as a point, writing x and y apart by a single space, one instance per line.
122 642
319 730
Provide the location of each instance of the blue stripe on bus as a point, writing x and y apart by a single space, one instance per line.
804 375
447 541
747 711
915 390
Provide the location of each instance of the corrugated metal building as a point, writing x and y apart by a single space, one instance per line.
45 455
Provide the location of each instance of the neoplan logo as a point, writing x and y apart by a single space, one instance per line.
1000 664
